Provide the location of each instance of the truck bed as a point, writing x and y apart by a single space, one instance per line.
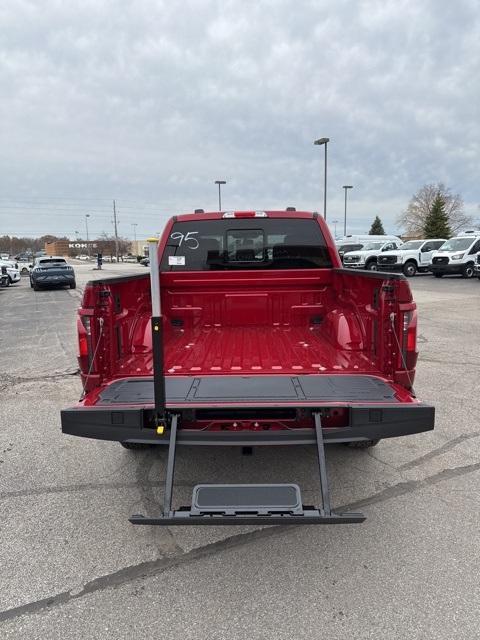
248 350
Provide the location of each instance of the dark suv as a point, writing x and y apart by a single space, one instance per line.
52 271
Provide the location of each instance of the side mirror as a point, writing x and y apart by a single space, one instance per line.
30 266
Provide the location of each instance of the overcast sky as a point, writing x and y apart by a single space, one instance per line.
149 102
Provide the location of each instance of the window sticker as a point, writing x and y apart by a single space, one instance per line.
176 261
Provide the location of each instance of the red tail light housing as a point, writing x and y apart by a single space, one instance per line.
409 340
84 342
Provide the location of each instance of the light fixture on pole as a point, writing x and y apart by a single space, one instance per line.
220 182
325 142
135 225
87 216
346 187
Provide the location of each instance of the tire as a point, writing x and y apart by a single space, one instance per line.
438 275
468 270
362 444
7 282
36 288
136 446
410 269
371 266
73 285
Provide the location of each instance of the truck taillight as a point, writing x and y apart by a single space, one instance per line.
84 337
244 214
409 339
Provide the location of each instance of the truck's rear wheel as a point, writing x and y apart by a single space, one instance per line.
136 445
362 444
409 269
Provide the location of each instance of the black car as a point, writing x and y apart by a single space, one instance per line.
52 271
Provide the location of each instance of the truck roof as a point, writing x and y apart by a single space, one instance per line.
219 215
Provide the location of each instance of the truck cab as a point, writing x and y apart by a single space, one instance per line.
367 257
456 256
410 257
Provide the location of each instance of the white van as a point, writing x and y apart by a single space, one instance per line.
362 239
456 255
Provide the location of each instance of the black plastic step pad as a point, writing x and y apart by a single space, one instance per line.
270 498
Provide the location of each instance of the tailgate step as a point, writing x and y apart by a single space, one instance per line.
229 504
246 498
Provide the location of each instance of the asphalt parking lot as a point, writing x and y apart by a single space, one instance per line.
71 566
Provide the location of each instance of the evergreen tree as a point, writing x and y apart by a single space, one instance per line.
436 223
377 228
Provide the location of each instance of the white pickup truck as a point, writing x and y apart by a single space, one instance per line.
413 256
366 258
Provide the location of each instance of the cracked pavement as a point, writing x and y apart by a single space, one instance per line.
72 566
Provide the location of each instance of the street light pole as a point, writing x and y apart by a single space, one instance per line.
220 182
335 222
134 225
87 215
325 142
346 187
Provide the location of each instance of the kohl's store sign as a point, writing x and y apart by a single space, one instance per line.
82 245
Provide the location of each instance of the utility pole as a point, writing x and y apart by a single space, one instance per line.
116 230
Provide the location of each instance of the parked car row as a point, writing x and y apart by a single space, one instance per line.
439 256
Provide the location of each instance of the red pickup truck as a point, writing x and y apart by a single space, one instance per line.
258 336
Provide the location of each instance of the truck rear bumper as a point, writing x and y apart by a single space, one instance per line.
134 424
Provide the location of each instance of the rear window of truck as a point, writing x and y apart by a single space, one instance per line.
250 243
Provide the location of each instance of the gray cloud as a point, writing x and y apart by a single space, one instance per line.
150 102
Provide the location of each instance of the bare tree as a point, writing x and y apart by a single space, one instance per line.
414 217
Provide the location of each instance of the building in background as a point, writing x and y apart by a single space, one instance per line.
68 248
139 247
